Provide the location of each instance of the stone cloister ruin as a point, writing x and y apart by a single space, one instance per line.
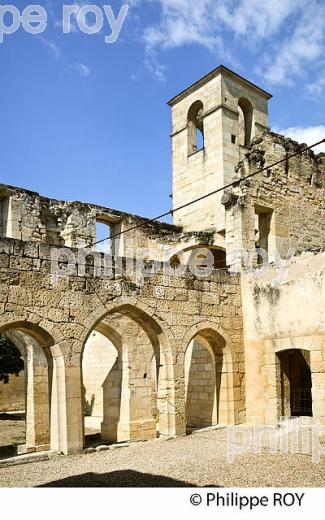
135 360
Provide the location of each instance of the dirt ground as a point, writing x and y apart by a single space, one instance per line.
199 459
13 432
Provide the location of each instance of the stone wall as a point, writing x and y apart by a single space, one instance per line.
27 216
283 311
201 386
289 199
12 395
166 316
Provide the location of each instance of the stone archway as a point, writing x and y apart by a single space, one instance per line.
102 383
139 397
210 396
35 344
201 386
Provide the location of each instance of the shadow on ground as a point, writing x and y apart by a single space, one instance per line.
124 479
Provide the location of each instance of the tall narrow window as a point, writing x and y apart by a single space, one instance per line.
245 122
195 127
4 214
263 219
103 234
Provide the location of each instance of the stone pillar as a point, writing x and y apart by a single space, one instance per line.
67 428
317 367
229 398
37 402
112 395
285 387
272 379
36 392
142 423
240 233
128 404
180 397
166 397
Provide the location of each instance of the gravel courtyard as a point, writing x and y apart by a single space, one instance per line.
196 460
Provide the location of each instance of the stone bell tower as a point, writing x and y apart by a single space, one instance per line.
213 123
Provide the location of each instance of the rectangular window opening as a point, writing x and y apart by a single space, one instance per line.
263 218
103 236
4 210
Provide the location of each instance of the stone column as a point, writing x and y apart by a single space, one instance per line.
317 367
240 232
166 397
229 399
36 392
272 378
136 419
67 428
37 402
142 422
112 395
180 397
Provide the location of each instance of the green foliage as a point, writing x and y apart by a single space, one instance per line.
11 361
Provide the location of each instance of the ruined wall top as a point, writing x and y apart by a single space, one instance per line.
283 206
25 215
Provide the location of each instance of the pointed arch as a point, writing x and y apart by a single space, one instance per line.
152 329
209 364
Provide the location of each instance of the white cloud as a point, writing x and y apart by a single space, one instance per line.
308 135
316 89
55 50
182 23
81 69
304 46
292 30
158 70
256 18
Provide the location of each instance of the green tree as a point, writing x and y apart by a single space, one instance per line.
11 361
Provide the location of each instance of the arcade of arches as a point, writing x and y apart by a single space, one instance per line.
129 388
116 363
112 361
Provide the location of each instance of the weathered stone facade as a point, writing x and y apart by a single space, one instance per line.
197 171
283 316
164 353
60 319
285 204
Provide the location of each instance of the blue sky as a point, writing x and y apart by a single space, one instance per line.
85 120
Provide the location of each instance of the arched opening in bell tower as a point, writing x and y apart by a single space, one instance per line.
195 128
245 122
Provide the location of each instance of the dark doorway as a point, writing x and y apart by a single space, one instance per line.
296 383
